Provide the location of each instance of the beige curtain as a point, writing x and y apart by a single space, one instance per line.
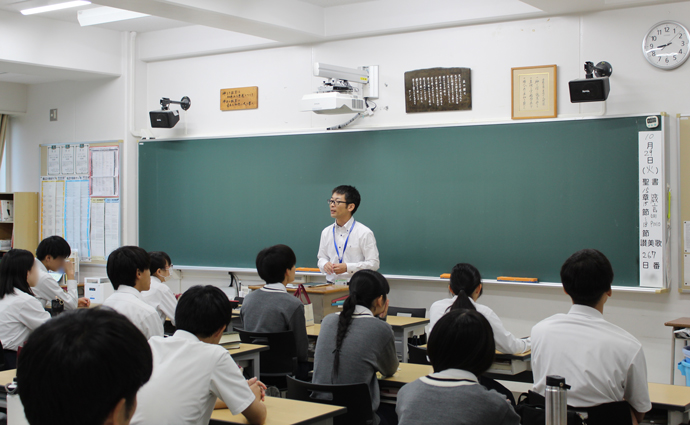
4 125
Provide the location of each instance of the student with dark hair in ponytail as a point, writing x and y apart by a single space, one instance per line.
353 345
466 287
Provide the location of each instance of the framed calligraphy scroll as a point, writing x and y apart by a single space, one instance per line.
533 92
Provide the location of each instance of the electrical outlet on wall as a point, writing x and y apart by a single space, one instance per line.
53 114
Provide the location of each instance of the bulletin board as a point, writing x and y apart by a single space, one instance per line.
80 197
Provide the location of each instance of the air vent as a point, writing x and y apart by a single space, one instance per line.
357 104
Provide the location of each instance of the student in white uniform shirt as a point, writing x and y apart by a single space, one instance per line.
160 296
347 245
128 271
600 361
466 287
20 311
460 350
83 367
192 374
52 255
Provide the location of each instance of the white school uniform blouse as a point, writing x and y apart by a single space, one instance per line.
129 302
506 342
188 376
20 314
361 252
162 299
600 361
47 289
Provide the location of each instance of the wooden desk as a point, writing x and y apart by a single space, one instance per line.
248 355
281 411
672 398
510 367
407 372
403 328
313 331
680 323
321 298
6 377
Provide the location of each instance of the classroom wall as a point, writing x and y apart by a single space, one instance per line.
284 75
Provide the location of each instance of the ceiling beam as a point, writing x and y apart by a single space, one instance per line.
285 21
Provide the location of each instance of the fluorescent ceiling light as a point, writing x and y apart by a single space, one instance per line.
52 7
103 15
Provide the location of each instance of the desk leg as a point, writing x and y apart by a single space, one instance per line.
256 366
673 356
676 417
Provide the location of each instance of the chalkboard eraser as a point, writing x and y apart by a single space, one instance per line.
308 269
517 279
445 276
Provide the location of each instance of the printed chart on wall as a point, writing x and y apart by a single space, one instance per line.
80 197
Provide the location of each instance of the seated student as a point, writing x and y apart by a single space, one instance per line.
272 309
600 361
191 372
83 368
460 350
128 271
52 254
159 295
353 345
20 311
466 287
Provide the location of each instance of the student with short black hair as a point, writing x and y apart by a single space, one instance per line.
160 296
346 246
128 271
52 255
95 357
600 361
20 311
460 350
466 287
272 309
353 345
192 374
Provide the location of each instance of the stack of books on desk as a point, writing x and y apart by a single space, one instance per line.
230 340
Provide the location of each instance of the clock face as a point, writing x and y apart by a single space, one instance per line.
666 45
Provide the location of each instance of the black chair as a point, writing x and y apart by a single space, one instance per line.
279 361
615 413
354 397
413 312
416 355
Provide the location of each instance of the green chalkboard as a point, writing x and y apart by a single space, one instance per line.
513 199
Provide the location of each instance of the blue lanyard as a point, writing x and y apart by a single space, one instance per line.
340 258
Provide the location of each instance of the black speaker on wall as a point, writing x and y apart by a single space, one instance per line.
589 90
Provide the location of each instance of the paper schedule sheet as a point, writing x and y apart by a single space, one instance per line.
80 198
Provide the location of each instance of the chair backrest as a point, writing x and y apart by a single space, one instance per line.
410 312
281 358
416 355
354 397
615 413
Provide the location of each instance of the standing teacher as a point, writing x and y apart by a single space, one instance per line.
346 246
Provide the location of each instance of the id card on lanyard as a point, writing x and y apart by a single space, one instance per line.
342 280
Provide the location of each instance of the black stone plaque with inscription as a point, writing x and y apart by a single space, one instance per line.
438 89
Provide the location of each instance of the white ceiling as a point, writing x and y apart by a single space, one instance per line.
289 22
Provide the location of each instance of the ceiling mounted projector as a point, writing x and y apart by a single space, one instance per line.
165 118
336 95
